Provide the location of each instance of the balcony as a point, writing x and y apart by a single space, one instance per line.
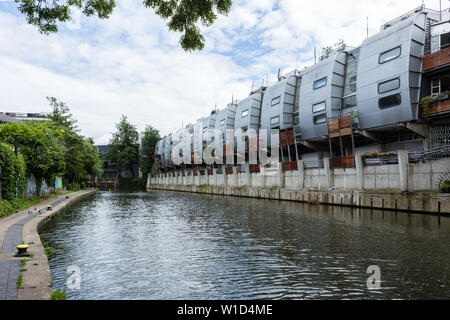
436 60
287 137
342 126
343 162
434 105
290 166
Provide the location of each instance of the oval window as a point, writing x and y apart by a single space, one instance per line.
319 107
319 83
390 85
390 55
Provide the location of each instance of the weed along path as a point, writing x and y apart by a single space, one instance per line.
28 278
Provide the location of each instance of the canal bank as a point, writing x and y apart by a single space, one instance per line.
426 202
192 246
403 186
30 280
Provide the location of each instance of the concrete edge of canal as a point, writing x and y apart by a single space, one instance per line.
37 281
424 202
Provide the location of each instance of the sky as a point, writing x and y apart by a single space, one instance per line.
132 65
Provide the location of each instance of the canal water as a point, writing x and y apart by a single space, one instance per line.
164 245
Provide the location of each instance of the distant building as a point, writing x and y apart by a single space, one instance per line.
24 116
6 119
110 170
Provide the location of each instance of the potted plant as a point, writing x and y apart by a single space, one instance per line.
445 186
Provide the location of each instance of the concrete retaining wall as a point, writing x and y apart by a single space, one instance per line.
402 186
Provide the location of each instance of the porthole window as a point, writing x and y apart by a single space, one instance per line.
275 101
321 118
390 101
390 85
319 107
275 120
390 55
319 83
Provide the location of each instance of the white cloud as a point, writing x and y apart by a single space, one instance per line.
131 64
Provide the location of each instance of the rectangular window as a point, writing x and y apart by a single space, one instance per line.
435 87
349 102
205 129
390 101
319 83
244 113
440 85
296 120
435 43
321 118
445 40
390 55
275 101
319 107
389 85
222 122
445 84
274 120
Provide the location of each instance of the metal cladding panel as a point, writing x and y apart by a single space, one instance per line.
333 68
159 150
409 35
252 104
210 123
165 147
168 146
198 133
228 114
159 147
279 102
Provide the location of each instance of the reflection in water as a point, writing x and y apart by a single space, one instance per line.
164 245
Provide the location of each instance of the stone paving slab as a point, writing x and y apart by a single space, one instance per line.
9 273
10 265
12 239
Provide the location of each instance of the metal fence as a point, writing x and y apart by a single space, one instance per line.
413 157
430 155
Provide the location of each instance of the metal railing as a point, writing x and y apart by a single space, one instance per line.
413 157
430 155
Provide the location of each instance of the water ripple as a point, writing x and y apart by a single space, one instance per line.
187 246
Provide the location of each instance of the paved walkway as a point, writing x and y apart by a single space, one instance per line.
9 265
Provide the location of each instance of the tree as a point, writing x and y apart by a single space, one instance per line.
80 154
61 115
12 169
149 139
183 15
40 146
124 146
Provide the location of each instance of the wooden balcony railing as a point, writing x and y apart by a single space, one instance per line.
287 137
343 162
228 170
290 166
437 59
437 107
340 127
254 168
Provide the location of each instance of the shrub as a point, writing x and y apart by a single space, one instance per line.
13 171
73 186
58 295
445 185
